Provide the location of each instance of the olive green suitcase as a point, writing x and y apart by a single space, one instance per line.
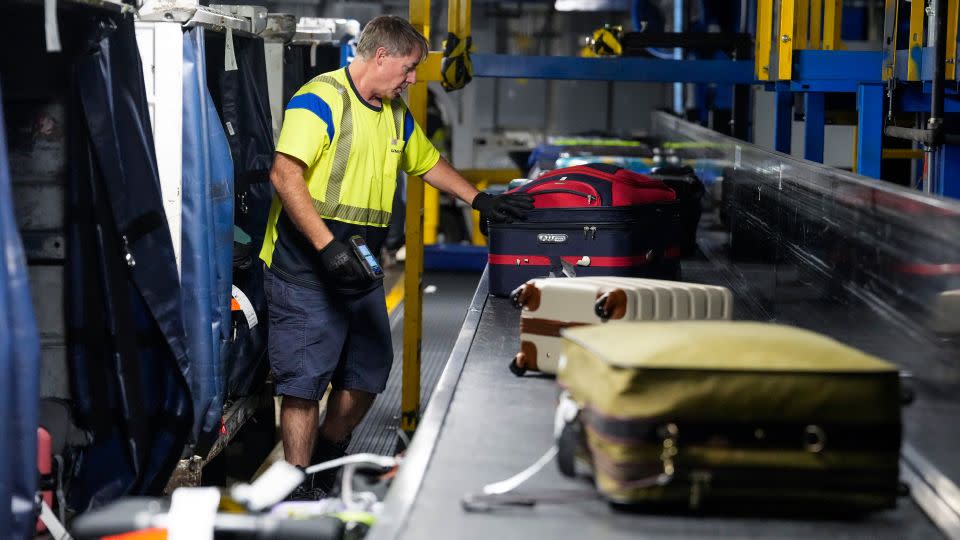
729 413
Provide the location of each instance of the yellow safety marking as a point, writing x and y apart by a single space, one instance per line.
902 153
395 296
816 24
952 13
785 41
802 8
917 16
832 16
764 29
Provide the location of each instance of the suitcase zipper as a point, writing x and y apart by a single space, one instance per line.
590 198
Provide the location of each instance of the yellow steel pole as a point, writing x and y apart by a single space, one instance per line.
891 11
785 41
951 72
917 16
816 24
800 30
832 15
764 30
413 275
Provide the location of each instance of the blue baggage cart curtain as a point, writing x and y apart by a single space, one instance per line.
20 365
207 229
240 96
127 349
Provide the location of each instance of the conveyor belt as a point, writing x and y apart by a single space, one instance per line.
486 425
443 311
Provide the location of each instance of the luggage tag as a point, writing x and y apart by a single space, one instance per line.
229 55
51 28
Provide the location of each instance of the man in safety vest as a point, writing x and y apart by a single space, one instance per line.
345 136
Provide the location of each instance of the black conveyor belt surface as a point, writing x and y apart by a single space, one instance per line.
443 311
498 424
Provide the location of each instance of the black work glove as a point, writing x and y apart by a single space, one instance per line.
342 271
503 208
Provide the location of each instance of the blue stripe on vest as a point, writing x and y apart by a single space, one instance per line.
407 127
317 106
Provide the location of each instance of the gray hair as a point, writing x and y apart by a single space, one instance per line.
394 34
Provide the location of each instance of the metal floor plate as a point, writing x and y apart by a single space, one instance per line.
443 313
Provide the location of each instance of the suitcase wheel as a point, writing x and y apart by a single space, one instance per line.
567 449
600 308
516 368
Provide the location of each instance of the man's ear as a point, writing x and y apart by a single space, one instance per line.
380 55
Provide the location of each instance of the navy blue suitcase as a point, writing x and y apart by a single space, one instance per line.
634 241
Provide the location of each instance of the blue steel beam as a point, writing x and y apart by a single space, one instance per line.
869 129
813 127
856 66
612 69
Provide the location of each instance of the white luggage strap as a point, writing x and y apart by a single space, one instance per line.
498 493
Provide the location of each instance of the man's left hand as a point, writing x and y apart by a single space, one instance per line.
504 208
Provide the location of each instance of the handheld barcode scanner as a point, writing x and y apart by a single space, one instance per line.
367 260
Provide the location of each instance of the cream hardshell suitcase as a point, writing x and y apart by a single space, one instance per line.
552 304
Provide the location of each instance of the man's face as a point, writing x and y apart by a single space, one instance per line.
396 72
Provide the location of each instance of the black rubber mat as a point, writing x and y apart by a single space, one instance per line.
446 298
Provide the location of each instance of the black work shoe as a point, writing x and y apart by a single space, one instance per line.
306 492
323 451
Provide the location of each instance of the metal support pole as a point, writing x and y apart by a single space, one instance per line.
813 127
413 274
785 41
764 37
816 24
783 121
869 129
832 19
953 13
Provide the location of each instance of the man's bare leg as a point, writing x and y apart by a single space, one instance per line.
345 411
298 428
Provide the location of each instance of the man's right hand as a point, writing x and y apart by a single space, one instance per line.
342 270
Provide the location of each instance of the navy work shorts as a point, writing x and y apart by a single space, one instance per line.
317 338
